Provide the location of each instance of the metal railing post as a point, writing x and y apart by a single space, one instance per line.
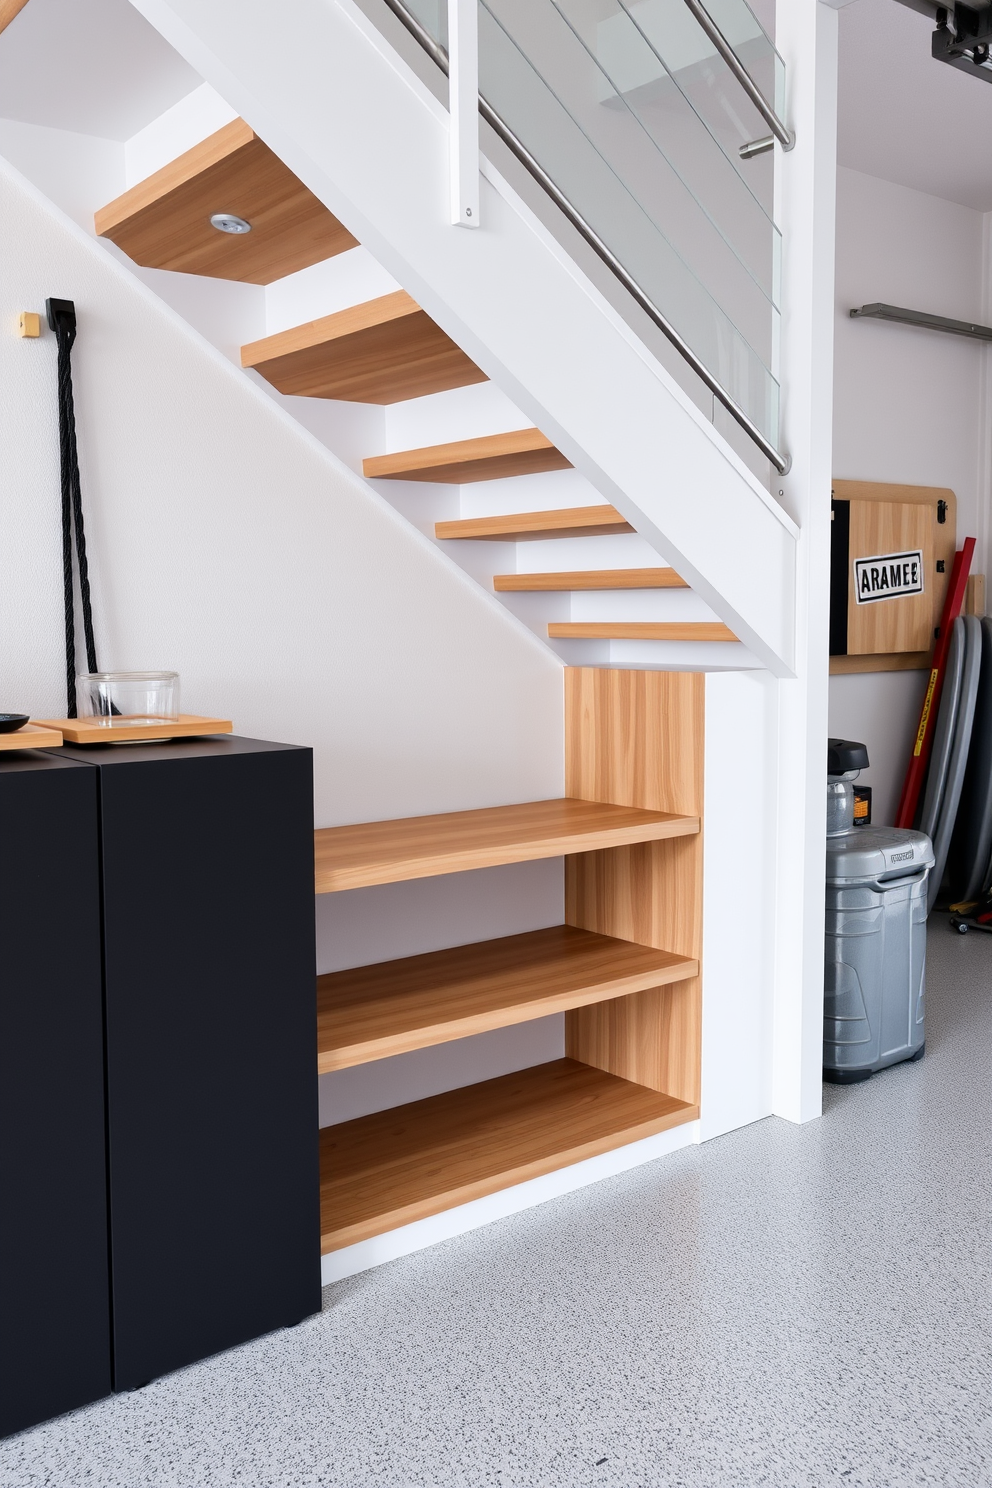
463 110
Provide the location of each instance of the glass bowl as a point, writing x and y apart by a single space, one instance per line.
128 697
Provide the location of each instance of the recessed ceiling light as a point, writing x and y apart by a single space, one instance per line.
227 222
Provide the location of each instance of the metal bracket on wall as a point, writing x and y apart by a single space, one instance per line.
922 319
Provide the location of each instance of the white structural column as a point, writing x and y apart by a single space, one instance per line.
806 191
463 108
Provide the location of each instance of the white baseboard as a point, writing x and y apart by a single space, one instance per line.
424 1232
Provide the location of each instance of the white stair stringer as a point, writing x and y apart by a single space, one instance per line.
352 120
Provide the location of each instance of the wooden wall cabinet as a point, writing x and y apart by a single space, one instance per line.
872 626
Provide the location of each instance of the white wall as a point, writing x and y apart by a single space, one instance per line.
228 544
909 406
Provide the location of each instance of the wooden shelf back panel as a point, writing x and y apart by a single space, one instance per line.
575 521
637 737
423 846
372 1012
383 351
404 1164
520 452
164 222
647 630
582 579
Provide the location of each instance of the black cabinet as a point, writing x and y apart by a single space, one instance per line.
54 1295
209 972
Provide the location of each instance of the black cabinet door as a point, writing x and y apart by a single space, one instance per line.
208 913
54 1319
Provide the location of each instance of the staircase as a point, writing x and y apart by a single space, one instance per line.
630 611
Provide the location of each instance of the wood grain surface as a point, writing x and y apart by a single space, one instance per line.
944 539
93 731
582 579
382 351
494 457
32 736
164 222
400 1165
423 846
636 737
903 623
640 630
372 1012
574 521
8 10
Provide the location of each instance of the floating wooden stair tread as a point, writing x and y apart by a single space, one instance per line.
571 521
520 452
164 222
576 579
404 1164
372 1012
641 630
423 846
380 352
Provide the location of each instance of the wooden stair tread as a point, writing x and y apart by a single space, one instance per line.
492 457
582 579
164 221
400 1165
641 630
382 351
572 521
372 1012
451 842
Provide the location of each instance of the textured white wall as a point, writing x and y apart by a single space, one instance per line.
908 406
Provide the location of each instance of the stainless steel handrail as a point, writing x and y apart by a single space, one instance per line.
434 49
785 136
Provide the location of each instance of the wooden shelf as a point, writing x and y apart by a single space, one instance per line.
164 222
521 452
404 1164
424 846
581 579
573 521
380 352
372 1012
648 630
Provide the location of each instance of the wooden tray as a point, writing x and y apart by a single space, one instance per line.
32 736
92 731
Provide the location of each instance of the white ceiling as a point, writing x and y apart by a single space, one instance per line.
906 118
92 66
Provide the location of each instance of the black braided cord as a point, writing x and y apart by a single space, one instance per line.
72 520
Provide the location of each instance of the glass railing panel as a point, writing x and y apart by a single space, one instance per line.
647 154
609 169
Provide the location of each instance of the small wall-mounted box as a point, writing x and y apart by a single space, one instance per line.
29 323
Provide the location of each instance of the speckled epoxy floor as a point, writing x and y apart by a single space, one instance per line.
790 1306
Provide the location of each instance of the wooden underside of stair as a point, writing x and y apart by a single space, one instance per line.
582 579
164 221
383 351
646 630
493 457
574 521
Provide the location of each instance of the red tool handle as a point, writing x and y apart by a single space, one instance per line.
923 740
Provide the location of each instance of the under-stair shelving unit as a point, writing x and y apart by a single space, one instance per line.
164 221
383 351
624 968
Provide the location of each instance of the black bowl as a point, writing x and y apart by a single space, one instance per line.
11 722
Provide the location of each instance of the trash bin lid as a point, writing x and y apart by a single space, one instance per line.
876 853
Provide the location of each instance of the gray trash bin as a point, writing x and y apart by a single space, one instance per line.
875 950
